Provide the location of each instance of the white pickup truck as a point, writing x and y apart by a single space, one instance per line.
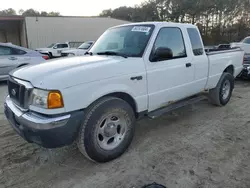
80 51
133 70
54 50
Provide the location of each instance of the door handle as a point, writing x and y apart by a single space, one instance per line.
12 58
136 78
188 64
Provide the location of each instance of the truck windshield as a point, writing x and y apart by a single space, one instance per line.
50 46
130 41
85 45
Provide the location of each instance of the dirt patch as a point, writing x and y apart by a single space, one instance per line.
198 146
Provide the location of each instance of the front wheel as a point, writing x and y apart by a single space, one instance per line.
221 95
107 129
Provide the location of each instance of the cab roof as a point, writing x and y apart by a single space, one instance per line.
161 24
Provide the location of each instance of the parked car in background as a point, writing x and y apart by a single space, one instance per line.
132 71
75 44
12 56
54 50
245 73
81 50
243 44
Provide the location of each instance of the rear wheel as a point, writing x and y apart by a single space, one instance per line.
107 129
221 95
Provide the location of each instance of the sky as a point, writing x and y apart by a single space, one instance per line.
68 7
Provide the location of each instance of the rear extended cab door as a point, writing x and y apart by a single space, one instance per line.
170 79
199 59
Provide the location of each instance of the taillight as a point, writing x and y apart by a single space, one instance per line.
45 57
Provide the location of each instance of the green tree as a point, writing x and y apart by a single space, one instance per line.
54 14
106 13
8 12
31 12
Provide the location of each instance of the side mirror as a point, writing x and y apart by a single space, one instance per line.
162 53
55 47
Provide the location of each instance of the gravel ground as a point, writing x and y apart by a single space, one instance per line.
198 146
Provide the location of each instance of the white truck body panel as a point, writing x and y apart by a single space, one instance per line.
218 62
75 52
244 44
83 80
111 75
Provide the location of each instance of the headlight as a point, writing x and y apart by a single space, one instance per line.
47 99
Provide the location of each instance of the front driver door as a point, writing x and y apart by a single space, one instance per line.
169 79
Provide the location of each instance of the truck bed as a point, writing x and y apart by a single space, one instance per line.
220 59
221 50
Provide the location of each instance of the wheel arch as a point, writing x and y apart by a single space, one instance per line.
229 69
124 96
24 64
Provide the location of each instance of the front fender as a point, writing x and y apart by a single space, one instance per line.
81 96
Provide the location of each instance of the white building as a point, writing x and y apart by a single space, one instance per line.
36 32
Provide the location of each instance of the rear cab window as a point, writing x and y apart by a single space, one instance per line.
196 43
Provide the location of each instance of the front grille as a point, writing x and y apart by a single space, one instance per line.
18 93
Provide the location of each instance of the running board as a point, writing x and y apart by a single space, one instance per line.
176 105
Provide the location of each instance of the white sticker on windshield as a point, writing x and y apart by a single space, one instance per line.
141 29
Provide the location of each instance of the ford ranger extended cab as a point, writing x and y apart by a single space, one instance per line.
133 70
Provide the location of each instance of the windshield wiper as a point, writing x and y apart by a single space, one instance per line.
112 53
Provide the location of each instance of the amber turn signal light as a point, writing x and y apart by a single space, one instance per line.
55 100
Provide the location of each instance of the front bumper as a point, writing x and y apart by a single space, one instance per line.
44 130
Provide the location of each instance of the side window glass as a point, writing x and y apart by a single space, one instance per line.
247 41
5 50
64 46
195 41
59 45
17 52
168 45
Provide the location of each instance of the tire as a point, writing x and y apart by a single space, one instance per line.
105 118
50 55
221 94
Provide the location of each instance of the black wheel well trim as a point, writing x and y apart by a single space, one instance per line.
229 69
129 99
22 65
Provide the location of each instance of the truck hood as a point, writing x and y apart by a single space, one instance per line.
43 49
67 72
